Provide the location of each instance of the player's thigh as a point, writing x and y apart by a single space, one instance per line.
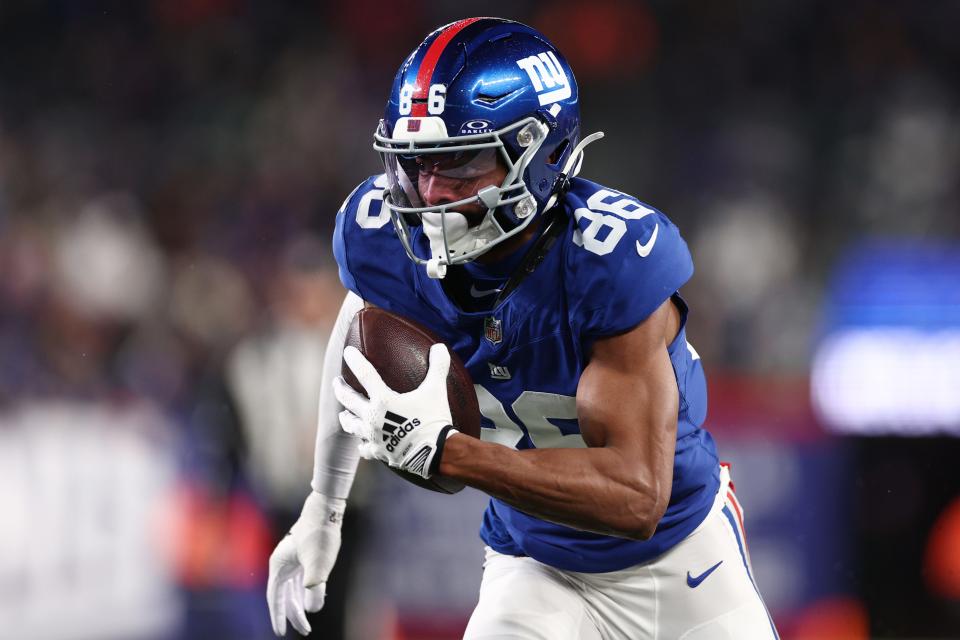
521 599
706 585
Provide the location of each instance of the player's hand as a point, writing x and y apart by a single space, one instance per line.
301 563
405 430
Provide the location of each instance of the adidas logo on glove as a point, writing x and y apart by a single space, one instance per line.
396 428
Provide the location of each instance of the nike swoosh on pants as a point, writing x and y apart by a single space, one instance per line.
694 582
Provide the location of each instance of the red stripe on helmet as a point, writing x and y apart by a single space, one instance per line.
429 63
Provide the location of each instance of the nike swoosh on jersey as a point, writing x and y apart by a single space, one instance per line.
694 582
482 293
645 249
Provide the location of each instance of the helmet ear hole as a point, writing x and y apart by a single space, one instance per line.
557 156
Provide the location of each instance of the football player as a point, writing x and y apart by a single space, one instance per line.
610 516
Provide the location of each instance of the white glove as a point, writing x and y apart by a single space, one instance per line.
301 563
405 430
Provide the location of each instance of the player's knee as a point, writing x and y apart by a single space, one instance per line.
747 622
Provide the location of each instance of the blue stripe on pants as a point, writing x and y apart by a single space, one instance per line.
743 556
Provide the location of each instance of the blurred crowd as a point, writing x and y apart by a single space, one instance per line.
158 159
170 173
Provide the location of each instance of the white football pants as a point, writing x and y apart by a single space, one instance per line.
702 589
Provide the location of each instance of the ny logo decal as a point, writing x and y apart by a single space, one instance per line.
546 73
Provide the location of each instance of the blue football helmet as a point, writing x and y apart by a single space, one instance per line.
477 95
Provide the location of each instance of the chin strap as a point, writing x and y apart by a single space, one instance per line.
572 167
554 224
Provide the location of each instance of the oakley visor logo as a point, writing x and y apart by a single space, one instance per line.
547 77
476 126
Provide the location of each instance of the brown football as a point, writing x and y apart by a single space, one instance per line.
399 349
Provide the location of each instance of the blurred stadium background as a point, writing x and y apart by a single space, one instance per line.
169 175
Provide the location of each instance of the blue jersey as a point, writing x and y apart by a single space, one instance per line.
615 263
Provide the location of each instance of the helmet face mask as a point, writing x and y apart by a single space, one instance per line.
453 239
478 99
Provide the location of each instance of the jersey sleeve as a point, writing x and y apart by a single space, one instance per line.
340 242
364 240
627 259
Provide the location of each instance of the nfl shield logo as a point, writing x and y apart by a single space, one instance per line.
413 125
492 330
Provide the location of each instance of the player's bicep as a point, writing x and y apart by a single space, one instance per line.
627 396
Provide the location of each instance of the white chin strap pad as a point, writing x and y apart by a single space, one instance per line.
457 230
461 238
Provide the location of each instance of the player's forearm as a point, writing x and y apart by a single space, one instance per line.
335 453
594 489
